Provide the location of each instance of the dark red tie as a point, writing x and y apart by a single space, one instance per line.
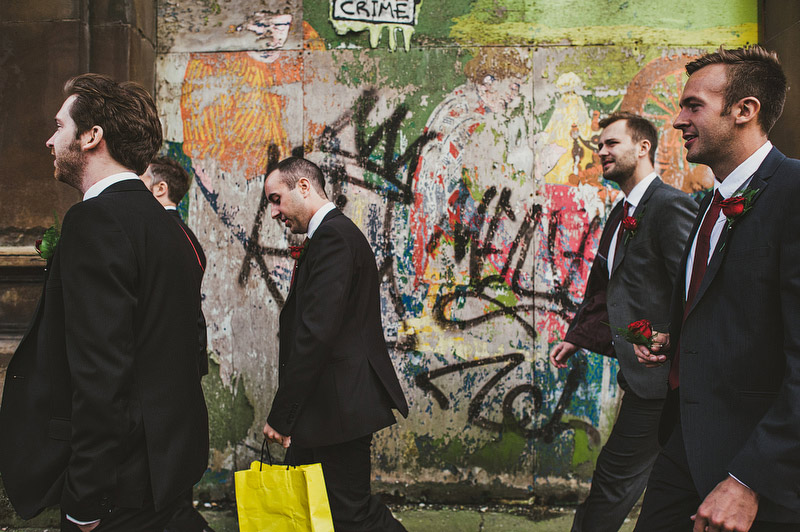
621 230
297 262
605 244
699 265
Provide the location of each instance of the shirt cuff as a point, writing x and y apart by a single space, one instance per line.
730 475
81 523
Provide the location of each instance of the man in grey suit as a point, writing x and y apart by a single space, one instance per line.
732 459
638 285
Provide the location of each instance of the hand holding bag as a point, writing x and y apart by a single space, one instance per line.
282 498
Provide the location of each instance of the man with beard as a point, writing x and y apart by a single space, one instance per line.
631 279
102 408
731 422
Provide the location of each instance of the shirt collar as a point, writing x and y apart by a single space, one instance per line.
171 207
106 182
318 216
742 173
638 191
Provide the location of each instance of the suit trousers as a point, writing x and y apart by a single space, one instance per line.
671 498
145 519
346 467
623 466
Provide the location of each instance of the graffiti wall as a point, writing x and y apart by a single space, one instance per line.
460 137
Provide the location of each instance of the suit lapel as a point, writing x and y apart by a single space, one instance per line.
332 214
637 213
758 182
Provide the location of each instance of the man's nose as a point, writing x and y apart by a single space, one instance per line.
273 212
680 120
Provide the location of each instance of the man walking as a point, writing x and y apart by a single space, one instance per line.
102 410
732 458
337 385
631 278
169 182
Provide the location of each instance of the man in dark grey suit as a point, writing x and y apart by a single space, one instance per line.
732 458
337 385
638 285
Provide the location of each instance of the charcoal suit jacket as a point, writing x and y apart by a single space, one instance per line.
739 394
102 405
640 287
336 379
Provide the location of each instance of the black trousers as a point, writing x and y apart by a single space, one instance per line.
145 519
346 467
671 497
623 466
186 517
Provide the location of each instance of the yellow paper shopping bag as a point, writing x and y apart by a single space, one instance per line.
279 498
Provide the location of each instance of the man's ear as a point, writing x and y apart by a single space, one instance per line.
160 189
304 185
644 148
91 139
746 110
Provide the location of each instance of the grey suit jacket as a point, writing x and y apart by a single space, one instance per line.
740 349
641 283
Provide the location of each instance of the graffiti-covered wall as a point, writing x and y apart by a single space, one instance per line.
460 136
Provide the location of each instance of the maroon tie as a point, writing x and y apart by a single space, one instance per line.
699 265
605 243
621 230
297 262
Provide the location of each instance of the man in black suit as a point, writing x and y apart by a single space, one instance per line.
102 408
732 460
638 285
169 182
337 385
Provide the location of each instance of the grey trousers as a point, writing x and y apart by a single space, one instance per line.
623 466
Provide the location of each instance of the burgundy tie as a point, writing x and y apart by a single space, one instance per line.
621 230
297 262
699 265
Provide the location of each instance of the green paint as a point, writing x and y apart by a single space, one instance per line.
583 22
230 413
502 454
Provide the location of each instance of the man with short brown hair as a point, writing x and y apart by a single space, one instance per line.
731 423
632 278
102 408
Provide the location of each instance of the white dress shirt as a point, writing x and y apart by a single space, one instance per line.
106 182
318 217
735 182
633 200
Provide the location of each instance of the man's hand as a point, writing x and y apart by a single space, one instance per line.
730 507
277 437
652 358
561 353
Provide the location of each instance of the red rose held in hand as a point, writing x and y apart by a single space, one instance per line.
643 327
629 223
733 207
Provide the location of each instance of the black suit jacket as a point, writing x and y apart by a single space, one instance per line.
641 284
740 349
102 400
336 380
197 249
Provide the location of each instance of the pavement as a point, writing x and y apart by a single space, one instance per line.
416 518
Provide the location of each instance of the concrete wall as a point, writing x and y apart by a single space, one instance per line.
459 136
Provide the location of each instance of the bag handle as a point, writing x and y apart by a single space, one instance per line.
264 448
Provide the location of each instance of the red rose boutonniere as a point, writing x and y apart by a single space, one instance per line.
630 224
639 332
46 246
737 206
297 252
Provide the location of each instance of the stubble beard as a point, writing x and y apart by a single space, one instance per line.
70 166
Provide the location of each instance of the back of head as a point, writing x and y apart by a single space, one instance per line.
173 174
751 71
639 128
293 168
125 112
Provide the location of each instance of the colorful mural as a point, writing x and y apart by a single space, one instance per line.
468 159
